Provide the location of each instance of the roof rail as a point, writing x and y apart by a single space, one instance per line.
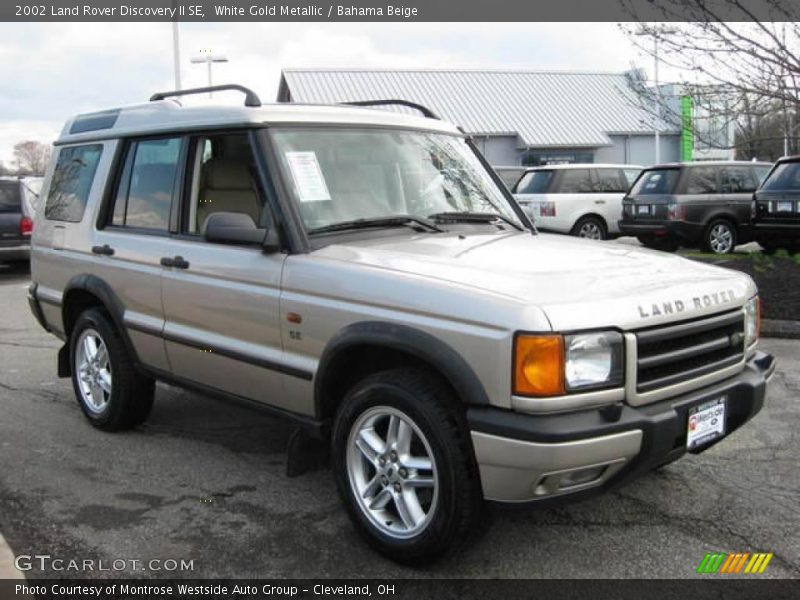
423 109
250 97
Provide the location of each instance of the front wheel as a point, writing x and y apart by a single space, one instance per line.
404 465
720 237
591 228
112 395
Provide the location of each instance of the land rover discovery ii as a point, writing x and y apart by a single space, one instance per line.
366 275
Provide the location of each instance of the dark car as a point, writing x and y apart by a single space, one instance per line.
699 204
776 207
18 199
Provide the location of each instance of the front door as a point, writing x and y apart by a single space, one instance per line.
221 301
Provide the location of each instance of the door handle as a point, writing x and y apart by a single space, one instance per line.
178 262
105 250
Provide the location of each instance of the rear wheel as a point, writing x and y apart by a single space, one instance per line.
111 393
592 228
719 237
404 465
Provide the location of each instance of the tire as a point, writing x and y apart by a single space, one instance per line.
664 244
593 228
442 513
113 398
719 237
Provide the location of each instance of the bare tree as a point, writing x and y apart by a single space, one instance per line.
740 59
32 157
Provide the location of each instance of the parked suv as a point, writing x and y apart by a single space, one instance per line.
581 200
18 201
366 275
705 204
776 207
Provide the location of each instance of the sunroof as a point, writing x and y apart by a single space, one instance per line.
104 119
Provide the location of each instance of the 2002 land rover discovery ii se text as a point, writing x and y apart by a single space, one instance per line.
367 275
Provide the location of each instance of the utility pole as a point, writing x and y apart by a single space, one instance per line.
209 59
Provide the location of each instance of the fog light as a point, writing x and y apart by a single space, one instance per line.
581 476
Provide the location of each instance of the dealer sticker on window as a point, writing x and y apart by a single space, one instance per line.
307 176
706 423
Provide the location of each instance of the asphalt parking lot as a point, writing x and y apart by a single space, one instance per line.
204 481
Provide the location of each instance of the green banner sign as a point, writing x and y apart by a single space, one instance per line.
687 134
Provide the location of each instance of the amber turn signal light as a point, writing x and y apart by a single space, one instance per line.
539 365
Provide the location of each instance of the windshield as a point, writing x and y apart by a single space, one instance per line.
534 182
786 176
338 176
655 181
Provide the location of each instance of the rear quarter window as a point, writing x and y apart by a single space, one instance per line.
575 181
9 197
701 180
71 181
737 180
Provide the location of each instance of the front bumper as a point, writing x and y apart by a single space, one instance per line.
528 458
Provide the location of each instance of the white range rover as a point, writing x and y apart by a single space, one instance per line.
366 276
584 200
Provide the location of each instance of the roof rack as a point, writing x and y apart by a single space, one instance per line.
423 109
250 97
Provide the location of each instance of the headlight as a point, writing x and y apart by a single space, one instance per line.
552 364
752 321
593 360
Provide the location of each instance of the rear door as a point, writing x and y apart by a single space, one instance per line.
610 185
700 194
11 214
132 235
222 301
737 184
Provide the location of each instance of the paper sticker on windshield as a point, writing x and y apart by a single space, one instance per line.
307 176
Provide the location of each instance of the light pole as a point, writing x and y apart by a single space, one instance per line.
176 54
657 121
176 51
209 59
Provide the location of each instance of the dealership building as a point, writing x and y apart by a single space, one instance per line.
515 117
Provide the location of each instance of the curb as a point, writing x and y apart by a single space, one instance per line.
7 570
776 328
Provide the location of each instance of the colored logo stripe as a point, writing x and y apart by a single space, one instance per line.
734 563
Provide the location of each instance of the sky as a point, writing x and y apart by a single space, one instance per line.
51 71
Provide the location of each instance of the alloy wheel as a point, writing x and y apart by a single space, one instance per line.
392 472
93 371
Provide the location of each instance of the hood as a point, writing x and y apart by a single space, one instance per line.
577 283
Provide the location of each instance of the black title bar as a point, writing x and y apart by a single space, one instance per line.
399 10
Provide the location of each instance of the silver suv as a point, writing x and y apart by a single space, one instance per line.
367 276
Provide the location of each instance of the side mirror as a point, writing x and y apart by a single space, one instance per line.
237 228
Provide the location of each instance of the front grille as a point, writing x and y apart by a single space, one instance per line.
676 353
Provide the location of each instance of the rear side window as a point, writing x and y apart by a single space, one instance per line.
702 180
146 188
656 181
785 177
534 182
9 197
72 179
735 180
575 181
611 180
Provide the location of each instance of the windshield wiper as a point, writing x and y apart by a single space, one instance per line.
472 217
392 221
